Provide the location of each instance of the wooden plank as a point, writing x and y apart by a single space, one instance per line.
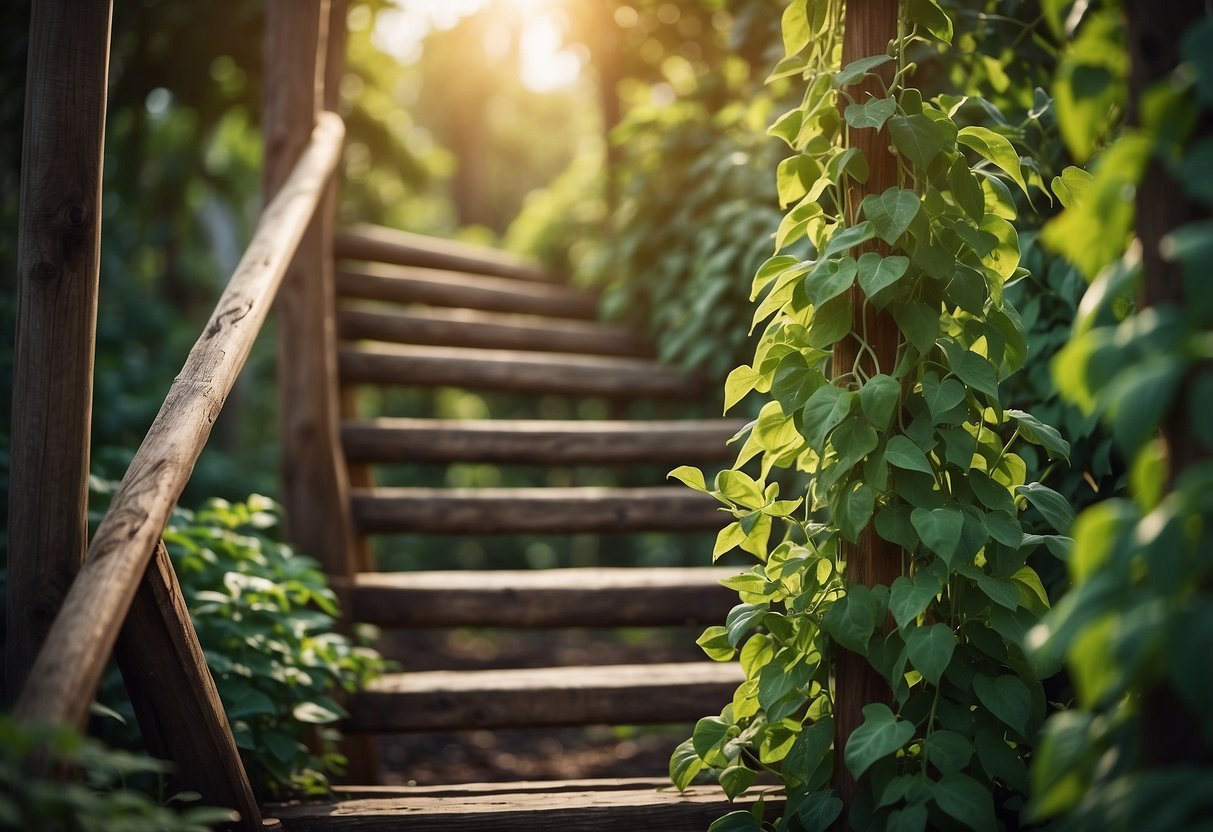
539 598
58 251
873 560
515 371
407 284
534 510
180 714
487 330
539 441
64 677
548 808
610 694
606 784
315 482
377 244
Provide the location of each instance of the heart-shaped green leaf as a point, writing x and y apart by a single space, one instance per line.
880 735
891 212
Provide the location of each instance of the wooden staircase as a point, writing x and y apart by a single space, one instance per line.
415 312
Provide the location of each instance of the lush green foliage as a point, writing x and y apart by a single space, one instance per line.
925 450
266 620
99 801
1134 630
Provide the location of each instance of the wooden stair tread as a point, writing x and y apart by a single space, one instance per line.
607 694
435 287
440 327
537 598
513 371
376 243
538 441
563 806
573 510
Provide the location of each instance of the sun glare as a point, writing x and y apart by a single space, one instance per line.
544 63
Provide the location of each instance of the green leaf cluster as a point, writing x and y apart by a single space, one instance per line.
923 450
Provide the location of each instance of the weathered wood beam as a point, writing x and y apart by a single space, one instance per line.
539 441
463 290
58 259
578 510
64 678
180 714
542 598
609 695
377 244
514 372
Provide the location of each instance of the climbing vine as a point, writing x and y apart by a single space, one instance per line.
923 449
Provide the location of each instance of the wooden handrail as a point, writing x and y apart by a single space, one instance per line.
65 675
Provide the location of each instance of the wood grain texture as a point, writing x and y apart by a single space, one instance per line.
65 676
463 290
534 510
514 371
315 481
377 244
487 330
541 598
869 27
58 251
609 695
539 441
180 714
537 807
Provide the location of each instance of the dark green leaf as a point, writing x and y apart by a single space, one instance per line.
741 618
917 138
810 748
1038 433
996 148
852 619
847 238
878 400
919 323
891 212
903 453
930 650
735 779
1055 508
877 273
710 733
939 529
909 597
1006 697
825 409
948 751
819 810
941 397
871 114
855 70
880 735
975 371
830 278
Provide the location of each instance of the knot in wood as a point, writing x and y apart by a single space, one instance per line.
73 216
44 272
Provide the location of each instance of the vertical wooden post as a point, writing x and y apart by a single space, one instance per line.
59 246
1165 733
869 26
315 487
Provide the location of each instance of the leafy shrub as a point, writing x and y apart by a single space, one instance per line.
266 617
99 801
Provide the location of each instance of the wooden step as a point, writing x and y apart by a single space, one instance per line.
625 805
632 694
541 598
533 510
514 372
538 442
488 330
409 284
388 245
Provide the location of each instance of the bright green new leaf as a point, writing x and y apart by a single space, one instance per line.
741 488
795 27
878 400
995 148
690 477
715 643
930 650
880 735
967 801
891 212
939 529
1006 697
877 273
1071 186
728 539
903 453
930 16
739 383
873 113
685 763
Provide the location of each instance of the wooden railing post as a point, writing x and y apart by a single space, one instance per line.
869 26
315 487
59 246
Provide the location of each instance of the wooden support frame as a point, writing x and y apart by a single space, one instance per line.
315 484
64 677
868 28
174 696
59 247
